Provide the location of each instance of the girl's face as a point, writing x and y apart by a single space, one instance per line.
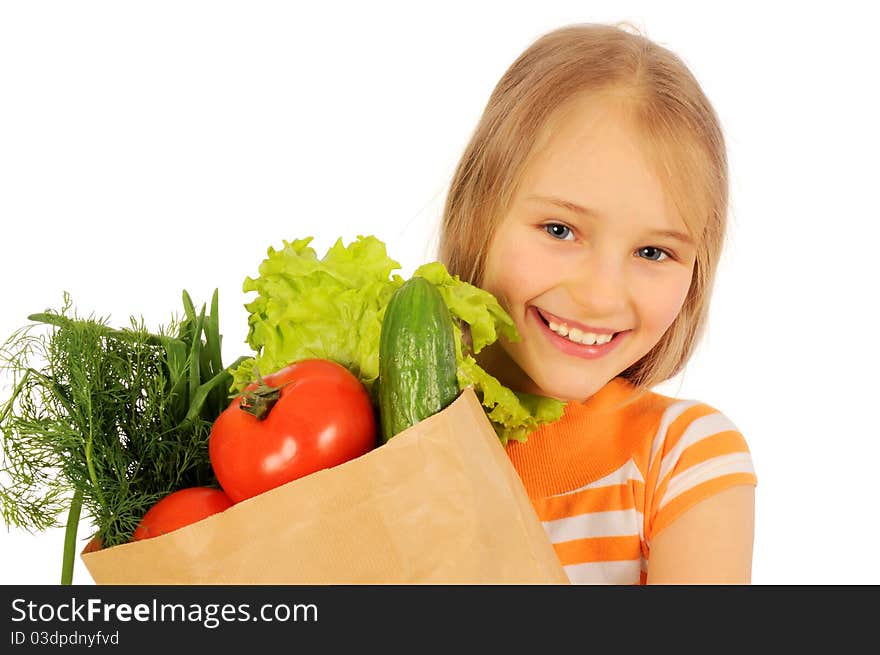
590 248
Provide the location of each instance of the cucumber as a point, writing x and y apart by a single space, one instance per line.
417 366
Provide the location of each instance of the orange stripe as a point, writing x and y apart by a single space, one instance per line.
691 497
678 427
600 499
598 549
719 444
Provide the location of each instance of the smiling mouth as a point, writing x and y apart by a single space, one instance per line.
576 335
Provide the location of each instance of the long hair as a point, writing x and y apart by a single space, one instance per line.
669 112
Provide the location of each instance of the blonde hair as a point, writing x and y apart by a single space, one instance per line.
669 111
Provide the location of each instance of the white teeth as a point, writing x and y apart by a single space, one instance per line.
576 335
559 329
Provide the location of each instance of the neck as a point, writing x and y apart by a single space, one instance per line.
495 361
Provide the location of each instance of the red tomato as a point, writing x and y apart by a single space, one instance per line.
181 508
323 417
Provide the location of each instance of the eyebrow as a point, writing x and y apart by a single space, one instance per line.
592 213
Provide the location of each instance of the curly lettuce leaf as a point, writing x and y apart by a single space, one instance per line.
513 414
329 308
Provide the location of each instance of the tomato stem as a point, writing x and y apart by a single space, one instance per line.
259 401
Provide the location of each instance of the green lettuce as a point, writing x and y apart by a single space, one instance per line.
332 308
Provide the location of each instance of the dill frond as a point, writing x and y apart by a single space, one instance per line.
120 416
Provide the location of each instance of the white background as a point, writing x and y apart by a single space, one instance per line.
147 148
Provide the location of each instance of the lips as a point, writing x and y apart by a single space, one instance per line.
569 347
548 317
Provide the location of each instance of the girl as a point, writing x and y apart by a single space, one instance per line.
592 201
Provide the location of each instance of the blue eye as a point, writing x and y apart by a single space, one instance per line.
653 253
559 231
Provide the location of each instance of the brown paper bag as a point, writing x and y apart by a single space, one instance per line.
438 504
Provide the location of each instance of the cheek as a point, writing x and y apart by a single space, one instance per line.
663 306
507 273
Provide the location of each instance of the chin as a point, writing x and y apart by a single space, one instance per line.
576 390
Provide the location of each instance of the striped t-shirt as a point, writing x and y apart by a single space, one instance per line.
605 479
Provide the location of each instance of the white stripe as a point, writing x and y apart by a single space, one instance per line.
624 572
701 428
672 412
617 523
711 468
623 475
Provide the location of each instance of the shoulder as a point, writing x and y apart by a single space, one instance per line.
684 423
693 433
696 452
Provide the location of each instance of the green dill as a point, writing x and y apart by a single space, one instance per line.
106 421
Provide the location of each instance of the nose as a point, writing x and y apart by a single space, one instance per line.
597 284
